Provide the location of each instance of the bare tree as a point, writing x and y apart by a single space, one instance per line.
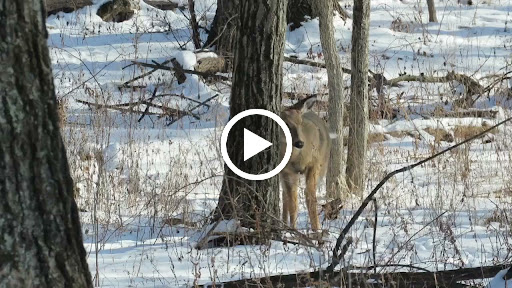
257 83
40 236
432 17
358 111
336 173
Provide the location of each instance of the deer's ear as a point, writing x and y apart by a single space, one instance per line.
305 104
309 103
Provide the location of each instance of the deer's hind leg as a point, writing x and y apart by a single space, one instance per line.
312 176
289 183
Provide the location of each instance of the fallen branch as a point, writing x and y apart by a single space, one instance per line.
163 67
311 63
338 256
167 111
193 108
466 113
125 84
471 85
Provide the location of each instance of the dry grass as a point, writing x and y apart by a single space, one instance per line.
465 132
376 138
440 134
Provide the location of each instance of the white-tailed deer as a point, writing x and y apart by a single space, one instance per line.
310 155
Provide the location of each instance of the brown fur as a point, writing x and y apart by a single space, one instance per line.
310 160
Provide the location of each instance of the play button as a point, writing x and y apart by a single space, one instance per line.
254 144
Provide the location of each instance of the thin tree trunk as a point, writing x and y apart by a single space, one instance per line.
257 83
335 173
432 17
358 115
193 24
40 236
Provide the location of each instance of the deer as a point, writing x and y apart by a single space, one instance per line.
311 145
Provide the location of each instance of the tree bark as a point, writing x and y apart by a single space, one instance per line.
335 178
40 236
223 29
358 115
432 16
257 83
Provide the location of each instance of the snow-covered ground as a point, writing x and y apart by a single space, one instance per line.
134 175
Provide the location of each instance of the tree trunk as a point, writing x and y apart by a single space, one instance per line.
299 9
257 83
432 17
358 115
193 24
335 173
223 29
40 236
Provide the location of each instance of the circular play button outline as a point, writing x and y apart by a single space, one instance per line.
224 149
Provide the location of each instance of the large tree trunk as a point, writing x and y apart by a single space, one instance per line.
336 172
432 16
40 236
358 115
257 83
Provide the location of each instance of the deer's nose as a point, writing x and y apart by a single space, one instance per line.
298 144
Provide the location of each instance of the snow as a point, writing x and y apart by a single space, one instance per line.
498 281
133 176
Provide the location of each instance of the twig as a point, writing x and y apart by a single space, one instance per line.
374 244
336 256
193 108
147 106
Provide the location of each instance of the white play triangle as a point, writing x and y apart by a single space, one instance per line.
253 144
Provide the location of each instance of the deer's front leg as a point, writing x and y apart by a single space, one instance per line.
289 182
311 185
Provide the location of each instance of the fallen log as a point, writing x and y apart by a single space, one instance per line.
447 278
162 5
56 6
